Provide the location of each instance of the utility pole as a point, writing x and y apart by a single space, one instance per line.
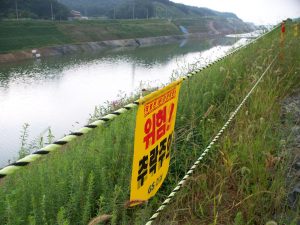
133 11
114 12
147 13
166 12
17 14
51 11
85 11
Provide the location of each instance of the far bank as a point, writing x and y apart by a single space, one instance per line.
18 38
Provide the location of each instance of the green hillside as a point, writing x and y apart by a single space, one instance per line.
34 9
128 9
28 34
24 35
26 24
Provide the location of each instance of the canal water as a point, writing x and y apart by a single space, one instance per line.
61 93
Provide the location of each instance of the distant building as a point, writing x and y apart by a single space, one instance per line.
76 15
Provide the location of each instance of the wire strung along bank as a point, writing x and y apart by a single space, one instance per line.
207 149
13 167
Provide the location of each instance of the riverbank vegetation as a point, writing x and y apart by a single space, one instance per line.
241 182
29 34
24 35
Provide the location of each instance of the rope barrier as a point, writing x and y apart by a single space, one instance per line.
61 142
13 167
205 152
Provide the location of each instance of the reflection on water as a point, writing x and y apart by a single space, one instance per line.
61 92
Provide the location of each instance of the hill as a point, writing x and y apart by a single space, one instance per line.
128 9
167 19
34 9
214 21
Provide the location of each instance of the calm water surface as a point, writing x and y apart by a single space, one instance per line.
62 92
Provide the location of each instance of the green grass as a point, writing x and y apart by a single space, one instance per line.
234 185
81 31
29 34
243 179
24 35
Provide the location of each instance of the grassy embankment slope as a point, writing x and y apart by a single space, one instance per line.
25 35
239 183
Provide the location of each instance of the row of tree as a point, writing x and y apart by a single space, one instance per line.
127 9
113 9
35 9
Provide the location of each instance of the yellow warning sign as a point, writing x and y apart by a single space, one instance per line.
155 122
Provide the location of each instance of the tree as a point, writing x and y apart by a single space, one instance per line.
36 9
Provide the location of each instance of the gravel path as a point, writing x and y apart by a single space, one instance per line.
291 122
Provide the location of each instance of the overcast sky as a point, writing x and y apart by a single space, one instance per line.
256 11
